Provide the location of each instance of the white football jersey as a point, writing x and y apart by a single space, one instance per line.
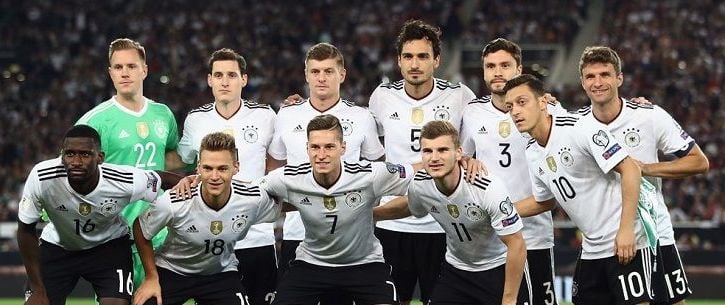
338 220
252 128
79 222
201 240
490 133
646 130
400 118
474 217
290 142
575 167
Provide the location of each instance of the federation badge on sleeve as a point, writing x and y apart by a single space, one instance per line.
329 202
216 227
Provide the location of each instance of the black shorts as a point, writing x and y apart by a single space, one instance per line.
258 269
366 284
605 281
216 289
541 275
462 287
288 256
668 279
415 257
107 267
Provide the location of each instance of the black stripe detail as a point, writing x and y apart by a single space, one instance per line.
531 141
685 151
348 103
291 170
52 177
204 108
257 194
180 199
354 166
397 85
355 171
444 84
115 171
480 185
297 103
254 189
50 169
634 105
117 176
117 179
49 173
482 100
422 175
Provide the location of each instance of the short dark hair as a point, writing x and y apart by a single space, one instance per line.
126 44
435 129
499 44
535 84
325 122
324 50
417 29
219 141
600 55
228 54
84 131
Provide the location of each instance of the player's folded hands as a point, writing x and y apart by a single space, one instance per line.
150 288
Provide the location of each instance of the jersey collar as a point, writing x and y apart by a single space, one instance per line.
129 111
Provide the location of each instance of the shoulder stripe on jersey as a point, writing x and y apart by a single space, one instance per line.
442 84
56 171
582 111
422 175
633 105
297 103
50 169
205 108
348 103
122 180
118 172
397 85
565 120
256 105
253 194
481 182
360 170
181 199
245 189
482 100
531 141
175 197
353 166
117 176
291 170
52 177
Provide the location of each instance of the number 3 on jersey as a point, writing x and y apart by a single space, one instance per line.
145 155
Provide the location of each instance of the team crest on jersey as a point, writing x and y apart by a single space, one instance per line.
504 129
142 130
631 137
160 128
84 208
329 202
238 223
453 210
601 139
250 134
565 157
353 199
551 162
473 211
442 113
216 227
109 207
506 206
417 115
346 127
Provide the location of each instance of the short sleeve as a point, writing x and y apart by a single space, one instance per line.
390 179
273 184
30 208
601 145
375 107
467 142
415 202
172 141
268 210
371 148
468 94
539 189
146 185
157 216
671 138
186 148
504 218
277 149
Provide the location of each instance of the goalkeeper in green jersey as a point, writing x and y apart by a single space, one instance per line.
134 130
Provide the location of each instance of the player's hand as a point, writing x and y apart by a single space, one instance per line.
551 99
640 100
473 168
292 99
150 288
38 298
183 188
624 246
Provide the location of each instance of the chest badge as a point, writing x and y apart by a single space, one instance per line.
551 162
504 129
142 129
84 208
453 210
417 115
216 227
329 202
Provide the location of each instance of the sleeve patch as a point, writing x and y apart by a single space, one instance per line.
611 151
152 182
396 168
601 139
511 220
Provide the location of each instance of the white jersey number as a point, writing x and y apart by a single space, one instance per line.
147 152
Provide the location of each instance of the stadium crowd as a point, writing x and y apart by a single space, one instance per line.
54 63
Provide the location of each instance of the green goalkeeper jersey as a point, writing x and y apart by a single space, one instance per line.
139 139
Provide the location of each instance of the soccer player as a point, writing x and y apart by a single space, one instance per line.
575 161
645 131
252 126
486 251
197 259
414 246
340 254
86 236
489 132
324 73
134 130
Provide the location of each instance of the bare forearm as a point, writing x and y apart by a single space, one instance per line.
30 252
631 176
394 209
169 179
515 260
528 206
679 168
145 251
273 164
